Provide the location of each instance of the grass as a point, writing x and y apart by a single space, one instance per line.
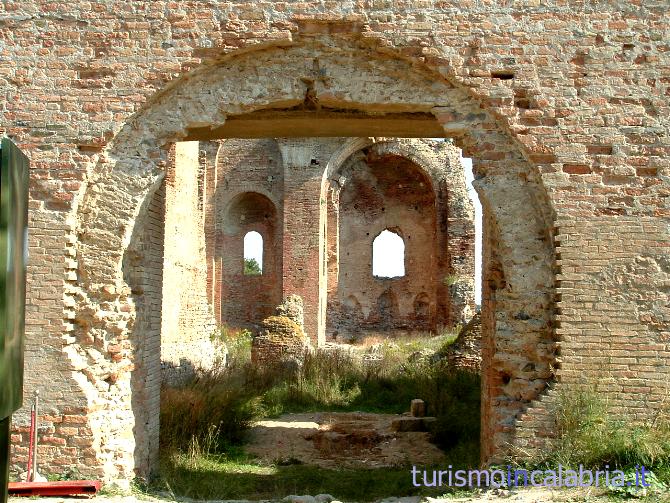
235 477
204 423
590 434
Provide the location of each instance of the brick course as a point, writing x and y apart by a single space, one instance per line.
564 109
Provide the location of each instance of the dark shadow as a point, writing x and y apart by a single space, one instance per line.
223 481
143 272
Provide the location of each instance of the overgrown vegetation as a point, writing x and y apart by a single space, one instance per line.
237 477
589 433
251 266
203 423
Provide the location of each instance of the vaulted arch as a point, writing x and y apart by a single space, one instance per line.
344 86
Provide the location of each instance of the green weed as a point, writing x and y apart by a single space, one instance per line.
205 421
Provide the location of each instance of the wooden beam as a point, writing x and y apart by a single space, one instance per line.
319 123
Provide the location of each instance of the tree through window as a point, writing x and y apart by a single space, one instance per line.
388 255
253 253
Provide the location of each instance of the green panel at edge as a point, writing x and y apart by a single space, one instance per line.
13 255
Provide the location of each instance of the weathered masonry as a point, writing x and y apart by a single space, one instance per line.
563 109
318 205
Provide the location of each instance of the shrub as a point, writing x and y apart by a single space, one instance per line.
213 412
209 414
590 434
238 344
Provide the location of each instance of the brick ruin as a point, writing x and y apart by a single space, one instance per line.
420 196
356 188
281 337
564 112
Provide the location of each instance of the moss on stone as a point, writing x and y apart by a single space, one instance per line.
281 328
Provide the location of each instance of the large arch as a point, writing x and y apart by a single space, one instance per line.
437 166
355 88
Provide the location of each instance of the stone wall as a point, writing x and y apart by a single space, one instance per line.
466 351
275 187
248 197
416 189
187 318
280 339
563 108
305 224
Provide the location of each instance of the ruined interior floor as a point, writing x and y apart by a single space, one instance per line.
340 440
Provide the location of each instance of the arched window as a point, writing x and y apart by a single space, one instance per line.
253 253
388 255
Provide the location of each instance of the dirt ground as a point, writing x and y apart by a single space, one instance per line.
358 441
340 440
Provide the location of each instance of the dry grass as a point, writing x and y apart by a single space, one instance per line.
204 422
589 433
221 403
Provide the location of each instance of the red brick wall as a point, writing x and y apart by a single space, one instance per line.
303 160
562 109
247 299
417 189
386 193
144 271
248 196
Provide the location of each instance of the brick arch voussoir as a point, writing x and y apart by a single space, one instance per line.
133 163
411 151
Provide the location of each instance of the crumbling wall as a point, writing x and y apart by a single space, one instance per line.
466 351
416 189
281 338
305 227
124 179
248 197
530 92
187 322
385 194
293 309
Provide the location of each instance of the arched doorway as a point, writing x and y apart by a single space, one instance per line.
317 86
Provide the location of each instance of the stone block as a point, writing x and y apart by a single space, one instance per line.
417 408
